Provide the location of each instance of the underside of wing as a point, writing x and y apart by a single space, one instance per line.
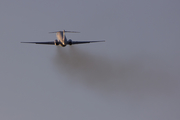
70 42
45 43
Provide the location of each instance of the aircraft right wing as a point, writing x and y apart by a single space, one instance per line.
70 42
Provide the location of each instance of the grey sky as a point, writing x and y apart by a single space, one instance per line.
135 74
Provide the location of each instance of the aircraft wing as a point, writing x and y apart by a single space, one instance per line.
45 43
83 42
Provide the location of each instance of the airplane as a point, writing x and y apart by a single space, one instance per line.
62 40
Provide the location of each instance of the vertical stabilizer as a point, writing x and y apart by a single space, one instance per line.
60 37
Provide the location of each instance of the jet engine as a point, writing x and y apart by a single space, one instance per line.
56 42
69 42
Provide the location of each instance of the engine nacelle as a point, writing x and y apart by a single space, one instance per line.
70 42
56 42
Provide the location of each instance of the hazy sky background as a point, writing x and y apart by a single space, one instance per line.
134 75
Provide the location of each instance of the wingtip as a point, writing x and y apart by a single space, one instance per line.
26 42
101 41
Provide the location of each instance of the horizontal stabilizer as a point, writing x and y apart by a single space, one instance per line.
65 31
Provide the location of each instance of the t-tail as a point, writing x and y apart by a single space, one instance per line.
61 37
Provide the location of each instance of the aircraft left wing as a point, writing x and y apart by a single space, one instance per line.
45 43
